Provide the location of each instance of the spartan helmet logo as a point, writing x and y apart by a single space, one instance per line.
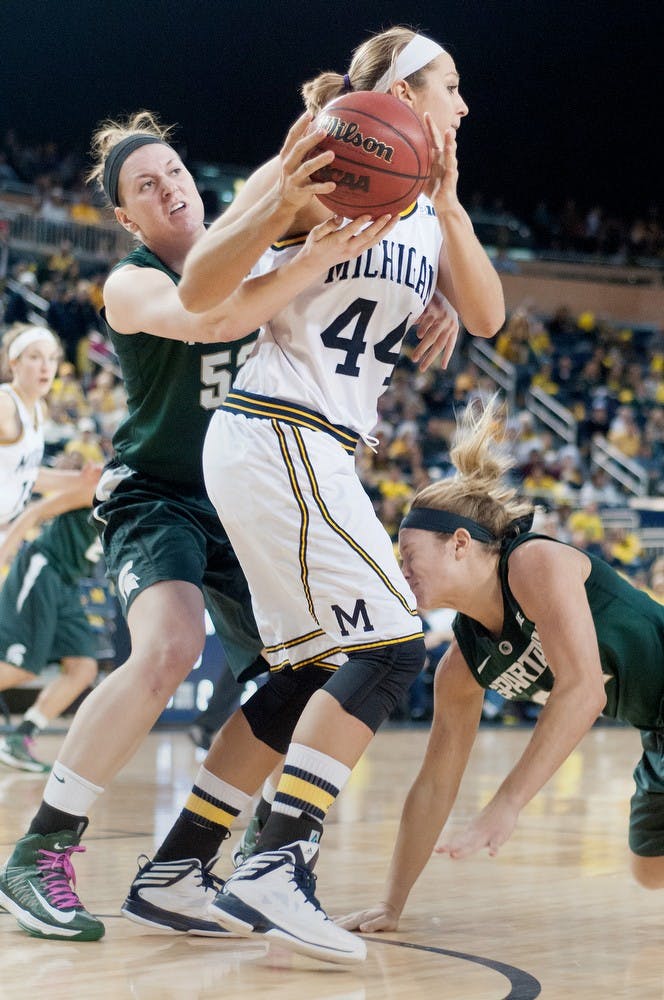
15 654
127 581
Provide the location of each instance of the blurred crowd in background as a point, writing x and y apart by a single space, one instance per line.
608 375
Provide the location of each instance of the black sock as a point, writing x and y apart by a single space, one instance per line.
282 829
26 729
192 839
48 819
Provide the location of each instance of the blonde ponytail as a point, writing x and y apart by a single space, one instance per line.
478 490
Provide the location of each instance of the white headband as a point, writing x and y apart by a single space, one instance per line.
28 337
419 52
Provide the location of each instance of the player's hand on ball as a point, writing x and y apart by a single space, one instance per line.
382 917
437 331
295 185
490 829
330 242
442 184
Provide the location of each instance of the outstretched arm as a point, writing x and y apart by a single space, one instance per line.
466 276
43 510
67 480
458 706
547 580
144 299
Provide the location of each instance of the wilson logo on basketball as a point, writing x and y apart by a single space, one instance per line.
349 132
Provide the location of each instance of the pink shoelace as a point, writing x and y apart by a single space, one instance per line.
59 877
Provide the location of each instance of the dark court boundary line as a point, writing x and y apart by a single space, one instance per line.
523 985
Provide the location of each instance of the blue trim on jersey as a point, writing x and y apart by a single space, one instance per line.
267 408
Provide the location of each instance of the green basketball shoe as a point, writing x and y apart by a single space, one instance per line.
246 845
37 887
15 751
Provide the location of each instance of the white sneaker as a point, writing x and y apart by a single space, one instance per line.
174 896
273 894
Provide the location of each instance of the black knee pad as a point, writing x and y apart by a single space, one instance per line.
371 682
273 711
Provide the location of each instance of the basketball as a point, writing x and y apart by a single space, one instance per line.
381 154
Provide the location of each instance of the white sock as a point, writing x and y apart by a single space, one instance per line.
36 717
220 790
269 791
310 782
69 792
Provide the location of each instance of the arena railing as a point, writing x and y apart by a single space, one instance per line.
552 414
91 244
502 372
630 474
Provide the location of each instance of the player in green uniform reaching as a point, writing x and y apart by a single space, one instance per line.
536 617
42 619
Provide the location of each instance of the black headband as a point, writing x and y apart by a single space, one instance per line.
446 523
116 158
430 519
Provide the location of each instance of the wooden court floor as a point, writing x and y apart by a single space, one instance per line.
555 915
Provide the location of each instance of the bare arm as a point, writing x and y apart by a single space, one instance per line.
466 276
144 299
10 423
43 510
547 580
67 480
458 706
437 332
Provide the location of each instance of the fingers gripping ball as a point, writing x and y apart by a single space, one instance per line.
381 154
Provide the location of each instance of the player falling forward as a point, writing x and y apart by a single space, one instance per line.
537 619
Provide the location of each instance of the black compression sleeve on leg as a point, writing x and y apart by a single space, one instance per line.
371 682
273 711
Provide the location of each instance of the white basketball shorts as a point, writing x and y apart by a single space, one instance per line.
321 568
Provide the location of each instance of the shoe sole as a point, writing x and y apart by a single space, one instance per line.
167 922
22 765
35 927
243 920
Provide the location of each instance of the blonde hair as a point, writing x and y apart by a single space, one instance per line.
478 490
15 331
370 61
110 132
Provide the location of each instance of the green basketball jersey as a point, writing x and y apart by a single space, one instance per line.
630 635
172 390
70 544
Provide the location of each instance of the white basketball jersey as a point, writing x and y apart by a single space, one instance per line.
20 460
333 348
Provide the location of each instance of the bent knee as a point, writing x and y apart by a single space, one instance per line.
179 652
84 668
371 682
648 872
168 662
